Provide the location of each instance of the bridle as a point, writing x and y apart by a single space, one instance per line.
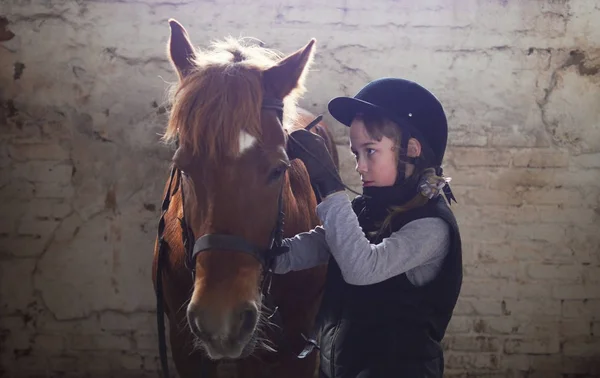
267 256
206 242
225 241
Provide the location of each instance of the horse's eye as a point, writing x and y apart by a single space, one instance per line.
277 172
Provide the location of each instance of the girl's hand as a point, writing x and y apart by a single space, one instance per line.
311 149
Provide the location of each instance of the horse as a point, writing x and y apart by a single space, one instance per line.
231 197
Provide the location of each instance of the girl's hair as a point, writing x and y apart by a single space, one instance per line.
417 201
378 126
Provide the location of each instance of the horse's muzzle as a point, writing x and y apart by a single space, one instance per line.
223 334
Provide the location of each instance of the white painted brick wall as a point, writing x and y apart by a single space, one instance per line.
82 99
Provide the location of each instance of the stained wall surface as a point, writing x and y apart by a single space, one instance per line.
82 103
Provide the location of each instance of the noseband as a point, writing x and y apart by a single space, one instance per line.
266 256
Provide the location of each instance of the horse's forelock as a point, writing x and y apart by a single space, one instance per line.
222 98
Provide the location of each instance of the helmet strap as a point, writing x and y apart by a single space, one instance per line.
403 158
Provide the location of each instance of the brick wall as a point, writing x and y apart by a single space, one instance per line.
82 90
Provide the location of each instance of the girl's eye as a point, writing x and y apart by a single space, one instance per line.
370 151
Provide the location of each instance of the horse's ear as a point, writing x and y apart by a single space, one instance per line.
290 72
181 51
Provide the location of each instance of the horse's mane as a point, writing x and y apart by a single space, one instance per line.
222 96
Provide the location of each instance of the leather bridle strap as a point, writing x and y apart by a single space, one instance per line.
237 243
229 243
163 248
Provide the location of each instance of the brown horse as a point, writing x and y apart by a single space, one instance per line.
233 107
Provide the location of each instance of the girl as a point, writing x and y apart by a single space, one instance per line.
394 253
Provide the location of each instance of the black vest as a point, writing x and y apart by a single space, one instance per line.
392 328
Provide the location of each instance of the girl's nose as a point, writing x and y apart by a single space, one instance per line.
361 166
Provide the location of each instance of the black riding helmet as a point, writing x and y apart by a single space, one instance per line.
416 110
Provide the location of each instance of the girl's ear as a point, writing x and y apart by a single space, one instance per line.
414 148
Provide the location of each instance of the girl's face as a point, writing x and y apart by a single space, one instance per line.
376 160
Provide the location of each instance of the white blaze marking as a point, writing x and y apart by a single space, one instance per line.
246 141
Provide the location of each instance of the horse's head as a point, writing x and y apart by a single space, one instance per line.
232 154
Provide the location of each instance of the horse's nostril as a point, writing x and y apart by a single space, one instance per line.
193 321
247 318
235 325
198 323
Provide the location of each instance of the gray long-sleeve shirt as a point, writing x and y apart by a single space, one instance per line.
417 249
